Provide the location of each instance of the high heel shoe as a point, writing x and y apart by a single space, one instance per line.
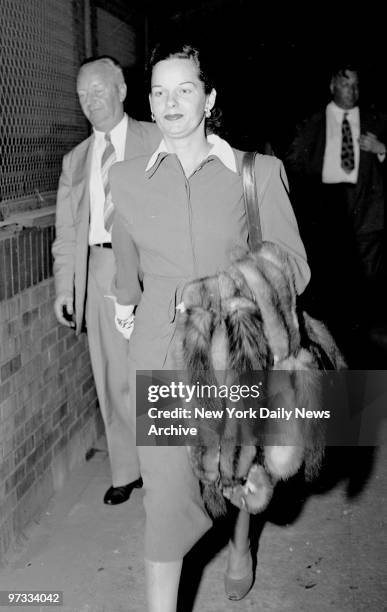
237 588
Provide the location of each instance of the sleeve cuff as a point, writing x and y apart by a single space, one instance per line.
124 311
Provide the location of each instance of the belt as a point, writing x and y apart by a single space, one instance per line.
103 245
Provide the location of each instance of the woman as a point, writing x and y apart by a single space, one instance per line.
179 216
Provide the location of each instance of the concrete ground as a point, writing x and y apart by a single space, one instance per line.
323 547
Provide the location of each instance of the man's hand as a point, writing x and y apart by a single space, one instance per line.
369 142
64 310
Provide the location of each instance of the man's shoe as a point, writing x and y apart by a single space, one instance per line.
119 495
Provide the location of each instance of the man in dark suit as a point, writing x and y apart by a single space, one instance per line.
84 263
336 168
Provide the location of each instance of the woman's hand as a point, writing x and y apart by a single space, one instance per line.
123 317
125 326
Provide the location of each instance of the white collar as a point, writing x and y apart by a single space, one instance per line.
220 148
121 125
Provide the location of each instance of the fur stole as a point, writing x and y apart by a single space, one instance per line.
243 320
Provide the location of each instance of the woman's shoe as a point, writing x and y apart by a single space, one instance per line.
237 588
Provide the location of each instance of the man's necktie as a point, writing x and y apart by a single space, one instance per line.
108 159
347 152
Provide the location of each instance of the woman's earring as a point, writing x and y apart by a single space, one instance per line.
207 113
153 117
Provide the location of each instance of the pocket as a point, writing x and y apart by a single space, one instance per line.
175 301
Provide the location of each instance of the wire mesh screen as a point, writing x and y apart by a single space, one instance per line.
40 115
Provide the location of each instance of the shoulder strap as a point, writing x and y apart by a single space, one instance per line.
251 200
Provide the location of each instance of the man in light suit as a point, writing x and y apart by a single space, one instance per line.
340 200
84 263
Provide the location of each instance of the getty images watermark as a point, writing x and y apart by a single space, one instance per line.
172 411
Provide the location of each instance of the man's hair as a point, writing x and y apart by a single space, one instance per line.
340 70
109 61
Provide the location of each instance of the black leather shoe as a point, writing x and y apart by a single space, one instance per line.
119 495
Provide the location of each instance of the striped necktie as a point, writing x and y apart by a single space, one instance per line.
347 151
108 159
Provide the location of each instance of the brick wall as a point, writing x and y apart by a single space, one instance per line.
48 416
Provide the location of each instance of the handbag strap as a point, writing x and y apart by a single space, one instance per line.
251 200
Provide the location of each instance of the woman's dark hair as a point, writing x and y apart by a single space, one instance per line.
169 49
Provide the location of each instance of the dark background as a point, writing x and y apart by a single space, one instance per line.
272 61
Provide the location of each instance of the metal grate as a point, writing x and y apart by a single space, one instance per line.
40 115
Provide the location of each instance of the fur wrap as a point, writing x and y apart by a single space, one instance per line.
245 319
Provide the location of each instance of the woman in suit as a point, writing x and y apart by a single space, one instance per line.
179 215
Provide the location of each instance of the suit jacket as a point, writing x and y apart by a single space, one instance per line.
215 193
71 246
304 162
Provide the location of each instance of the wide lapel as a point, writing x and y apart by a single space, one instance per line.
141 139
129 152
364 157
80 186
81 204
317 146
355 192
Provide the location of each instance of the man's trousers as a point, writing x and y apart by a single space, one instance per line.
108 352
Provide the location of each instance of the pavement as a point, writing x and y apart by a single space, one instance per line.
322 547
